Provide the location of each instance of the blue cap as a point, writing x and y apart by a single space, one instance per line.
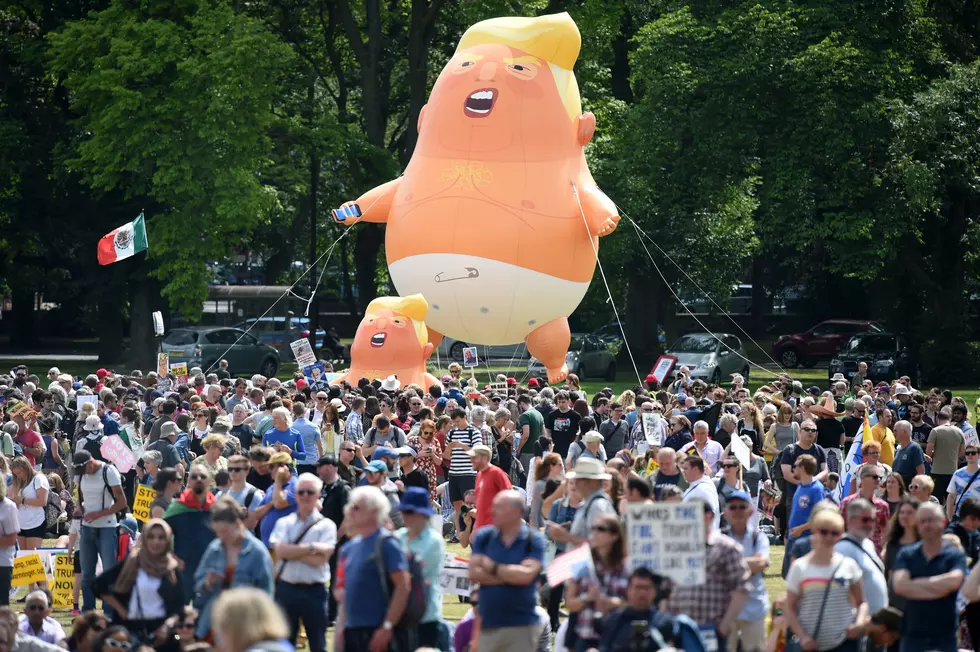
377 466
383 452
813 390
441 402
740 495
682 397
76 385
130 524
416 499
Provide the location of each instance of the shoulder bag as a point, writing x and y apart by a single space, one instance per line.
793 643
302 534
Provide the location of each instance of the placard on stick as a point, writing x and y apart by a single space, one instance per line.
651 427
28 570
141 503
303 352
668 538
62 590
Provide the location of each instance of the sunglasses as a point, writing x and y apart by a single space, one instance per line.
809 429
730 466
348 450
184 624
321 398
197 476
829 533
737 507
36 607
970 453
915 486
425 432
119 645
603 528
305 492
235 469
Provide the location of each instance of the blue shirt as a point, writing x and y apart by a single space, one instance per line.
935 624
907 458
109 426
309 435
289 437
365 603
429 548
507 605
754 543
803 501
269 520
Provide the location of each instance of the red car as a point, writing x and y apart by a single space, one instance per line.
820 342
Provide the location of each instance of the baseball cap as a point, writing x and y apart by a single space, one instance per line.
740 495
327 460
404 450
592 435
382 452
79 460
480 449
281 458
813 390
102 373
377 466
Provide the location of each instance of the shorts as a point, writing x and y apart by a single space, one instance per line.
459 485
77 561
35 532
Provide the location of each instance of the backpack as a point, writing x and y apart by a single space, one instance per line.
250 496
418 595
52 511
94 447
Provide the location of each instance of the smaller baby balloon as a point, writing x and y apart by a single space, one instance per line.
392 340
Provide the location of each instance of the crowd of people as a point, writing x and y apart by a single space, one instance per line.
290 511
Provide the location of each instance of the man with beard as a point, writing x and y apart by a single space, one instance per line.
189 516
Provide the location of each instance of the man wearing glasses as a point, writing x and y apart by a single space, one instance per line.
37 621
304 541
189 516
869 481
806 444
245 494
346 469
319 407
965 483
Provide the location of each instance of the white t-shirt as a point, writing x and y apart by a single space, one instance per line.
145 602
96 496
9 524
30 516
809 582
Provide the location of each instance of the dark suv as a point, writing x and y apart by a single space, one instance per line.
887 355
820 342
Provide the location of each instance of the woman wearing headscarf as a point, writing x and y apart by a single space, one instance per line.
145 590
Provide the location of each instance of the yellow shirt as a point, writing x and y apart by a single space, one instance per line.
886 438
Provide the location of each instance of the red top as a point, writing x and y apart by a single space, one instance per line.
489 482
26 439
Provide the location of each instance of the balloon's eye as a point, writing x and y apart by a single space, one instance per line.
466 64
518 67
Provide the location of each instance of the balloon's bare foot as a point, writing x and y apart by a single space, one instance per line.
556 376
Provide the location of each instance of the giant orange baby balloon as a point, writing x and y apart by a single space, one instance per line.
496 219
391 340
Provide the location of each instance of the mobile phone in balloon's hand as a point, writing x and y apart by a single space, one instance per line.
341 214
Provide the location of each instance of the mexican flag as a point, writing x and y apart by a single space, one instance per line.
123 242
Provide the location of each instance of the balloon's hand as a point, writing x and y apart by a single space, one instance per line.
606 226
347 210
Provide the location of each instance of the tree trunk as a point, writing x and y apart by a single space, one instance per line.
142 342
370 238
643 301
23 331
110 328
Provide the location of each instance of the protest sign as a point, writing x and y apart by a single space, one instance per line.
651 427
454 578
163 364
62 590
180 371
20 409
740 451
28 570
470 358
141 503
315 376
82 400
303 352
136 442
116 451
663 366
668 538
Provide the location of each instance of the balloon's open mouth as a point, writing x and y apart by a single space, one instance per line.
378 339
480 103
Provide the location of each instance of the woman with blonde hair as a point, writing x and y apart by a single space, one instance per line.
9 528
248 619
213 445
628 400
750 423
825 605
29 491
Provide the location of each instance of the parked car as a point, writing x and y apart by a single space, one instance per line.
820 342
739 302
587 357
887 355
203 347
711 357
452 350
274 331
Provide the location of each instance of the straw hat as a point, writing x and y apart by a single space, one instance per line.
588 468
826 411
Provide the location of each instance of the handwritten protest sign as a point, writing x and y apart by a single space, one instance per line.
62 590
141 503
21 409
741 451
303 352
651 428
163 364
116 451
28 570
82 400
663 366
668 538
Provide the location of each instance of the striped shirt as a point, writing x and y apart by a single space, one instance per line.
460 464
809 581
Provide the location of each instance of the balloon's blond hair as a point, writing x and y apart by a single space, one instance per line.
554 38
414 306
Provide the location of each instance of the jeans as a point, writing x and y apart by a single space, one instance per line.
358 639
95 542
309 604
